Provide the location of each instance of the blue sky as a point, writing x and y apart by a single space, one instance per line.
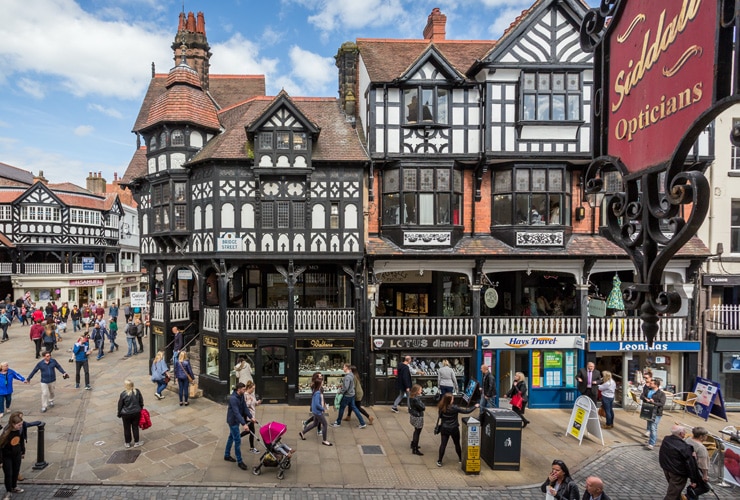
73 72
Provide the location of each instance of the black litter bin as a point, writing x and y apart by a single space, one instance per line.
501 440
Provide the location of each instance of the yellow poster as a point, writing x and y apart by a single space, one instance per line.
577 427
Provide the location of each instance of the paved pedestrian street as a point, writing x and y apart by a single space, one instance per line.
182 454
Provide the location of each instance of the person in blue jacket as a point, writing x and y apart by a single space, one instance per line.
6 386
237 415
46 366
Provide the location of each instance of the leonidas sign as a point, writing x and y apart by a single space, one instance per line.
661 72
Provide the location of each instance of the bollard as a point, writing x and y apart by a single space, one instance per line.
40 462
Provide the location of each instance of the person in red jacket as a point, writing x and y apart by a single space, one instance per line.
36 334
38 315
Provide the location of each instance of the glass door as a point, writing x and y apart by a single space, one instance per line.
272 377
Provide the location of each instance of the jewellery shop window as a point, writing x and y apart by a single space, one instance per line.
212 360
234 360
553 369
329 362
424 370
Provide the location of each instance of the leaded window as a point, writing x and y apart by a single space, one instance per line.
551 96
422 196
426 105
531 195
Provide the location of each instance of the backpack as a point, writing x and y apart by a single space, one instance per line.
4 319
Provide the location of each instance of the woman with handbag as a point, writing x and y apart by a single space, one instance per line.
130 404
184 375
159 374
607 388
416 417
518 396
450 425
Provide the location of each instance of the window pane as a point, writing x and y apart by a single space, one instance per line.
502 181
574 107
299 215
180 223
555 180
283 215
558 81
543 82
283 140
409 208
443 209
265 140
162 139
391 209
543 107
409 179
426 181
502 210
558 107
180 189
165 193
268 215
299 140
529 107
574 81
456 209
528 81
522 180
390 181
538 179
427 101
443 180
539 212
457 179
178 138
522 208
442 106
555 212
412 105
426 209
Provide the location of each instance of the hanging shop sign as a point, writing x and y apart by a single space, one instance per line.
533 342
94 282
643 346
661 74
209 341
403 343
720 280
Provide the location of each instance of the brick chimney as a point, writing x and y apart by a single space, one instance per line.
435 28
40 178
95 183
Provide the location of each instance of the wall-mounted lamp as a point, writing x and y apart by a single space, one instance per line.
580 213
595 199
371 290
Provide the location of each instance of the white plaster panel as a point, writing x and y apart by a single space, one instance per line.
394 115
458 141
559 133
496 138
473 117
379 141
227 215
379 115
458 116
267 243
300 162
152 165
196 139
208 222
394 95
473 141
394 138
247 216
350 217
509 138
197 218
265 161
495 92
496 113
318 217
510 115
458 96
282 161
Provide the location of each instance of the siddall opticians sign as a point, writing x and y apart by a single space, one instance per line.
662 56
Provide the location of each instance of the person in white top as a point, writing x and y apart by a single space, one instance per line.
243 370
607 386
446 379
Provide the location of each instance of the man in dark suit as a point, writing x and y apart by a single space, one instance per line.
594 489
588 379
403 382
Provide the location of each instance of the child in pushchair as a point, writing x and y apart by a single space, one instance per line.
277 454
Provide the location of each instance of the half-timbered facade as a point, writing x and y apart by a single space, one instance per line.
482 246
252 224
61 242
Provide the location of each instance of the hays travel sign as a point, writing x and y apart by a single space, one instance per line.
533 342
642 346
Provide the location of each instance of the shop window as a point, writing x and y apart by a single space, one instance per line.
329 362
424 196
233 357
531 196
552 368
549 96
424 370
212 360
426 105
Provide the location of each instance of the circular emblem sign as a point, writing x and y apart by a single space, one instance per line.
491 297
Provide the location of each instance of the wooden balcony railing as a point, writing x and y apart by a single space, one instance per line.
276 320
179 311
722 317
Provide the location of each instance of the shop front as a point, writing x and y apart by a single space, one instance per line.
549 363
325 356
666 360
724 367
428 354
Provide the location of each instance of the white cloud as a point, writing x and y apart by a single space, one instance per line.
316 72
503 21
54 38
336 15
83 130
112 112
32 87
240 56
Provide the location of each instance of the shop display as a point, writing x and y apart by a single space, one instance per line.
424 370
329 362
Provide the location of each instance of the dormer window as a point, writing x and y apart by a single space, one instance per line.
283 140
425 105
153 143
265 140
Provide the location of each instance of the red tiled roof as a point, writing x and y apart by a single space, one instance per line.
136 167
183 101
578 246
10 195
338 141
388 59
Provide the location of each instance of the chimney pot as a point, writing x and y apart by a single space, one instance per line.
435 28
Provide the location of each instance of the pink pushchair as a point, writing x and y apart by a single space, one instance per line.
276 453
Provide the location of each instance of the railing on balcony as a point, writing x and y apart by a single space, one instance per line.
44 268
179 311
722 317
276 320
615 329
530 325
6 268
401 326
